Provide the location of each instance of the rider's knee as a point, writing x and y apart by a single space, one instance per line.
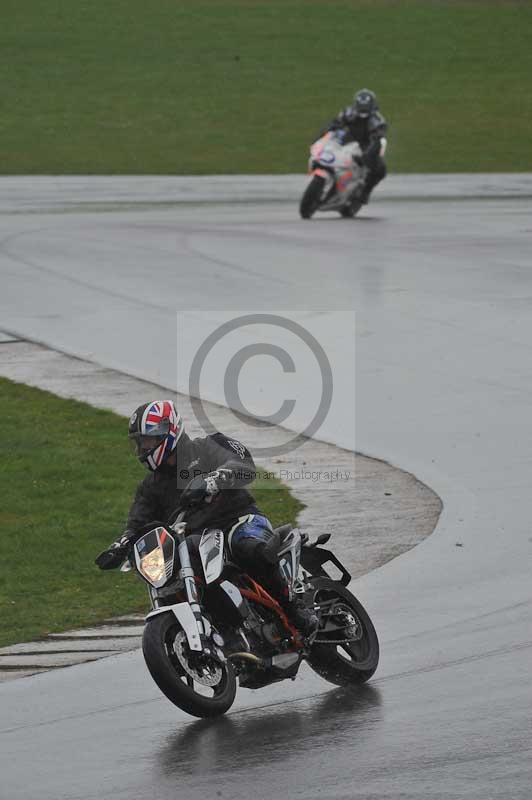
253 541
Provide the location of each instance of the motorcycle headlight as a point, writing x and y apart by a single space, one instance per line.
154 557
152 565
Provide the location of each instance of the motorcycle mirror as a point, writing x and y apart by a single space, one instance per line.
177 515
178 525
322 538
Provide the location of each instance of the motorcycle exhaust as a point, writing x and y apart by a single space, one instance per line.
250 657
281 661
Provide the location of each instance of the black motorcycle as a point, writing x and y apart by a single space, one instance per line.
205 631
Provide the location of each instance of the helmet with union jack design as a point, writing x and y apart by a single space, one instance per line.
154 430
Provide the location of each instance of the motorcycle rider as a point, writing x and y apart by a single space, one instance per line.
210 474
363 122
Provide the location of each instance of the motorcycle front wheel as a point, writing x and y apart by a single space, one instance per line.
346 650
311 197
200 685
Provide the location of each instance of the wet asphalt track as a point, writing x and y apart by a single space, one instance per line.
443 294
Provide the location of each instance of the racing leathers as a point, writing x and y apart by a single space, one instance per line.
368 132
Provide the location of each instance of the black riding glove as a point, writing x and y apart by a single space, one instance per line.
115 554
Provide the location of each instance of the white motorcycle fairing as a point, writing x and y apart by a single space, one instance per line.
334 161
187 620
211 550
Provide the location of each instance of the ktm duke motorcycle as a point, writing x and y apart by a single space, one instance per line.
338 177
206 631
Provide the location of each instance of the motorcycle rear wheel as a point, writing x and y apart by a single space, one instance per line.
311 197
351 209
353 662
175 670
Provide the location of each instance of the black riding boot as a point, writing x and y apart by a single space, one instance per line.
261 562
302 616
374 176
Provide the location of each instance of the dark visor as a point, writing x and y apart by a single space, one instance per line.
145 444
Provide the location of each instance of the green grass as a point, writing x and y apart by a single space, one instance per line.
68 477
230 86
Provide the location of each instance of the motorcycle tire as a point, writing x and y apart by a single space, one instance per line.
311 197
351 209
172 678
351 663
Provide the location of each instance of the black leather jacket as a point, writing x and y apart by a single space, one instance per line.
157 496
